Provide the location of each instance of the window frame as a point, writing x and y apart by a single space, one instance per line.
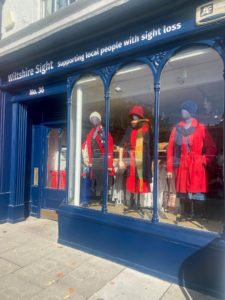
53 6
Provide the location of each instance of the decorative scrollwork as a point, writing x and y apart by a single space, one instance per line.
157 58
106 73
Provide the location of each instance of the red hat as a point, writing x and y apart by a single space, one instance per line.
137 110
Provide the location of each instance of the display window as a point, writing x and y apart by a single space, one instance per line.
131 126
191 139
190 165
87 143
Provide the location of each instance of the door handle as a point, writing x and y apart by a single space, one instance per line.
36 176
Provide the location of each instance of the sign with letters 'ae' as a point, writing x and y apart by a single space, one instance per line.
210 12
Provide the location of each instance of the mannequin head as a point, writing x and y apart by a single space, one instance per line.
134 120
134 117
95 119
188 109
185 114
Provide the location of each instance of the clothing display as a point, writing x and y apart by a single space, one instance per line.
166 189
136 145
119 189
93 150
190 152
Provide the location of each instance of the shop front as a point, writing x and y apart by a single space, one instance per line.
124 138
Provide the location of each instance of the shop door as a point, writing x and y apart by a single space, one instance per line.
48 189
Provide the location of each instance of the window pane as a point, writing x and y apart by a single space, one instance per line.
87 136
60 4
53 159
131 126
191 183
48 7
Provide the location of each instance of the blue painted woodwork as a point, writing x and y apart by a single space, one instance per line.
5 155
37 162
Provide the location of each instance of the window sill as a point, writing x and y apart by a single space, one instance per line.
172 233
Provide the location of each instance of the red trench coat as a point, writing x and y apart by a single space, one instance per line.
191 176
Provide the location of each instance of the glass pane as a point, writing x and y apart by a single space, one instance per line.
60 4
191 133
53 159
87 142
131 129
63 151
48 7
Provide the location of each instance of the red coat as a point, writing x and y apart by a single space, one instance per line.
87 149
191 172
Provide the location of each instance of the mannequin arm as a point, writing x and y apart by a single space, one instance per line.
210 148
121 162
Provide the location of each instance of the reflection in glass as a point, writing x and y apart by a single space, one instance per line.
131 122
191 183
56 162
53 159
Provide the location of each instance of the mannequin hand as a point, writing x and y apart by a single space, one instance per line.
169 175
121 164
110 169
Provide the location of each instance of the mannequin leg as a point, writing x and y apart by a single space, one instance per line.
192 209
132 201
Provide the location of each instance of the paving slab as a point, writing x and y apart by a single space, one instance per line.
29 252
56 292
131 284
7 267
6 228
69 256
89 277
180 293
41 228
13 288
44 272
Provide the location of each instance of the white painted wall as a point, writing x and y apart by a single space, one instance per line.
23 13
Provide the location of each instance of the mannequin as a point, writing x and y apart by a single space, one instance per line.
136 144
191 150
93 150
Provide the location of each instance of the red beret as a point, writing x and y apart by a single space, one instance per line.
137 110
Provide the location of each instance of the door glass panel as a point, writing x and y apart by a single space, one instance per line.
56 162
63 152
53 159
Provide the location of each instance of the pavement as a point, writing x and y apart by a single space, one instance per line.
34 266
